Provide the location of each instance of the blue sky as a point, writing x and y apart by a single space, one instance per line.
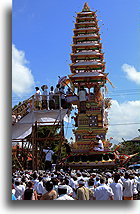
42 30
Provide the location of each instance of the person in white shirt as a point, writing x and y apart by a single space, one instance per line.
82 99
57 96
44 97
62 95
73 182
134 187
128 188
37 98
85 178
103 192
35 180
13 118
117 188
99 146
40 189
19 190
29 106
18 117
69 189
138 187
48 158
51 99
62 192
109 178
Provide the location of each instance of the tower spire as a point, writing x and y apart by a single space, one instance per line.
86 7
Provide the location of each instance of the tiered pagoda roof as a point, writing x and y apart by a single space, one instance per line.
87 53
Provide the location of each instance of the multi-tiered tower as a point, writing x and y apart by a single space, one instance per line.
88 70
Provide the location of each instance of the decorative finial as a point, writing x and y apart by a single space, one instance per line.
86 7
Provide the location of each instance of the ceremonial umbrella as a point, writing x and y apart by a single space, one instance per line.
63 81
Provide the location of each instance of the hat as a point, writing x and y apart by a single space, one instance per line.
108 174
84 173
93 174
79 173
81 182
98 137
62 187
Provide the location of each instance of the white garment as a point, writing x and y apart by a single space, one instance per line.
135 186
51 94
103 192
99 147
49 154
86 179
109 181
35 182
138 183
80 177
117 190
64 197
45 93
128 188
13 118
69 190
82 95
73 184
40 188
19 191
37 96
18 117
13 191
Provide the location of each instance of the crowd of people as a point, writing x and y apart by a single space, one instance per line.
55 99
52 99
75 185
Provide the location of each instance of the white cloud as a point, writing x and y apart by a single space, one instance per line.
22 78
131 73
123 113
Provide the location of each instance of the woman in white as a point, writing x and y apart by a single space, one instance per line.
117 188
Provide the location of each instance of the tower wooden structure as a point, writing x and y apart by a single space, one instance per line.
88 70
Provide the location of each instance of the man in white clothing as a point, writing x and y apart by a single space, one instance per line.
117 188
37 98
127 188
40 189
48 158
19 190
44 97
99 146
62 192
103 192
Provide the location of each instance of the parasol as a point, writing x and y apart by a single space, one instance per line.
63 81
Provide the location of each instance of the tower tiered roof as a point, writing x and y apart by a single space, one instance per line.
87 53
